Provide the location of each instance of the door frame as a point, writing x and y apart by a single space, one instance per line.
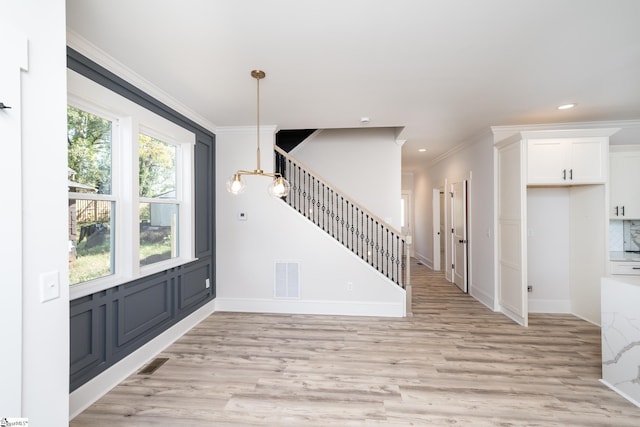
466 256
14 62
407 195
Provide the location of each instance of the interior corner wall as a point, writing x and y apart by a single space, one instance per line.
45 325
476 158
364 164
332 279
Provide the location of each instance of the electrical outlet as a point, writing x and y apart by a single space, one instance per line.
349 286
530 288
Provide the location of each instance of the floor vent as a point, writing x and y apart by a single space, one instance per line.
287 280
153 366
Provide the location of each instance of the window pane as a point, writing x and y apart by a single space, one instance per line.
158 232
91 242
157 161
89 140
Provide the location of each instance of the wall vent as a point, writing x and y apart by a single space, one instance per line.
153 366
287 280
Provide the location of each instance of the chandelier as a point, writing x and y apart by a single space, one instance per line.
279 186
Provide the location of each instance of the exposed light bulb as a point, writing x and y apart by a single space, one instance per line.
235 185
279 187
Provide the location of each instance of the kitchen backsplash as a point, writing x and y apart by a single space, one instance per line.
631 235
616 236
624 235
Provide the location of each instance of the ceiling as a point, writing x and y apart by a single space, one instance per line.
441 71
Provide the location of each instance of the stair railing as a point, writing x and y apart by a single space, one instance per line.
362 232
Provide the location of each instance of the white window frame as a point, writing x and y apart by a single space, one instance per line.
128 120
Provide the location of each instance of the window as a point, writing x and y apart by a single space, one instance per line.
130 189
159 206
91 203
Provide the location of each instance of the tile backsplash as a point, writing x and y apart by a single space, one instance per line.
624 235
631 231
616 236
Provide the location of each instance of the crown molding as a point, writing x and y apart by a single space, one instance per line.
86 48
485 133
503 132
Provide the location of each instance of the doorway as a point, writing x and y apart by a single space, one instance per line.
459 233
406 217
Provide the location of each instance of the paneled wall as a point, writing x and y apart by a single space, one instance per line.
108 325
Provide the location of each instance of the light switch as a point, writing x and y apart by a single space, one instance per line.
49 286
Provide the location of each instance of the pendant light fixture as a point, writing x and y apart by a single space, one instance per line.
279 187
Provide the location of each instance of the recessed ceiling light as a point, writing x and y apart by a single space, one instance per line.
422 150
566 106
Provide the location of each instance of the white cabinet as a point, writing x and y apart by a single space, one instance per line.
624 181
629 268
567 161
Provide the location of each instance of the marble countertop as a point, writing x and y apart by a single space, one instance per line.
631 280
623 256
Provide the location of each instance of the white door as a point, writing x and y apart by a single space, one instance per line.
437 232
459 234
13 50
511 270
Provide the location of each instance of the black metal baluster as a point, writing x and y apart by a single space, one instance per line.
377 247
387 252
323 206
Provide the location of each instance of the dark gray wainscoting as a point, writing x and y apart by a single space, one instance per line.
107 326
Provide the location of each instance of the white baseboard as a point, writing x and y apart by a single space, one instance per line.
483 297
549 306
424 260
341 308
88 393
621 393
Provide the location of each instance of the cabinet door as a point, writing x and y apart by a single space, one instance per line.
625 193
587 161
547 162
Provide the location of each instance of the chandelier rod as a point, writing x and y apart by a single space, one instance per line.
258 75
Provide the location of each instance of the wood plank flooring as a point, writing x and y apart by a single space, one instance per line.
453 363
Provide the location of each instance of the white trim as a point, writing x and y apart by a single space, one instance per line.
621 393
85 395
483 297
502 132
341 308
549 306
128 121
81 45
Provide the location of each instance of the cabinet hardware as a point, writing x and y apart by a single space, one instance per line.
3 107
623 211
564 174
635 268
616 211
571 174
462 241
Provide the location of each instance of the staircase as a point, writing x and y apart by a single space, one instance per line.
357 229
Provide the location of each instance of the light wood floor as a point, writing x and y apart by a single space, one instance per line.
453 363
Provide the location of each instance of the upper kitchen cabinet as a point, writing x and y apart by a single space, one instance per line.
567 161
624 180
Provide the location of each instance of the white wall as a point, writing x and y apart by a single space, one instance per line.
45 327
247 250
475 159
365 164
548 249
